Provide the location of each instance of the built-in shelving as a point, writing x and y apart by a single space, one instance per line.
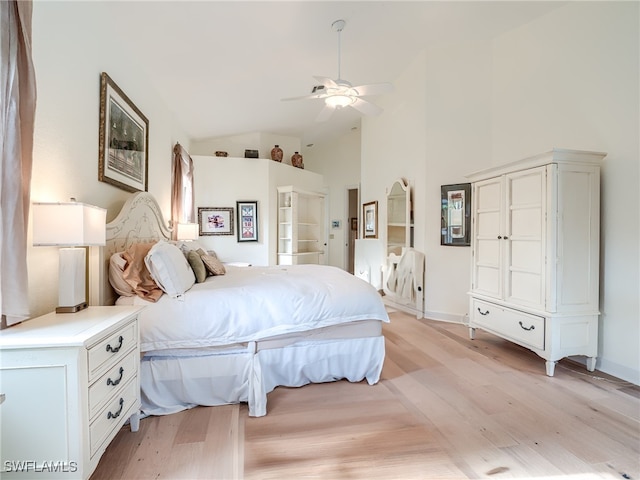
300 226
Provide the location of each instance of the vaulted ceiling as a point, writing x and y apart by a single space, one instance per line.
223 67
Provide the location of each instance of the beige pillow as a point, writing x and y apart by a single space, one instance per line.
212 263
117 264
197 265
137 275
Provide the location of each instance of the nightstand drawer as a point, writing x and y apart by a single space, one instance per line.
111 349
111 381
523 328
110 418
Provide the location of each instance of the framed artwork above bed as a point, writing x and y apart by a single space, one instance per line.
215 220
123 140
247 221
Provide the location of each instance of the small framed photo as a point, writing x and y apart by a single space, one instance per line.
455 218
247 221
215 221
370 219
123 140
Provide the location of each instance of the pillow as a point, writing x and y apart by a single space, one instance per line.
137 275
117 264
212 263
197 265
169 268
185 247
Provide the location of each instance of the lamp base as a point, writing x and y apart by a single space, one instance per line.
73 309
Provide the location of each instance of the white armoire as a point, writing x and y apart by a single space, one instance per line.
535 254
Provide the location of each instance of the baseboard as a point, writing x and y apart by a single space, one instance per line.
619 371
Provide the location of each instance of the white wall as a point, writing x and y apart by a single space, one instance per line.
73 42
221 181
235 145
569 79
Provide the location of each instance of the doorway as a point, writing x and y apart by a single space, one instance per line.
352 215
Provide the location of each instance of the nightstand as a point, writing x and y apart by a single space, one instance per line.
70 382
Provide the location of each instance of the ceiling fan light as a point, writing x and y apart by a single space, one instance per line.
339 100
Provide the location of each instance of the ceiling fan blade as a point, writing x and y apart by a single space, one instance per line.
326 81
305 97
325 113
374 89
366 108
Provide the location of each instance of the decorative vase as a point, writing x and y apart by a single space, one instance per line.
276 154
296 160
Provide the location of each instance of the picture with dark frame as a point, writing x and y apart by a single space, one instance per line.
123 140
215 220
247 221
455 219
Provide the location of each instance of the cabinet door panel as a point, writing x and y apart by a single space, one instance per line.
526 230
487 238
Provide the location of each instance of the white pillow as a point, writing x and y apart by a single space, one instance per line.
169 268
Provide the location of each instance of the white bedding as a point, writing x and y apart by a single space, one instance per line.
253 303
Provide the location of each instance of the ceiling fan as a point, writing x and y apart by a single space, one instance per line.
340 93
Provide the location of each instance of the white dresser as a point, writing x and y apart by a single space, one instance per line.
535 253
70 382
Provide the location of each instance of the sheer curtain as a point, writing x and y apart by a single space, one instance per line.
17 112
182 194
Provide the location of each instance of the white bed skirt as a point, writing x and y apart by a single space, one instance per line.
171 384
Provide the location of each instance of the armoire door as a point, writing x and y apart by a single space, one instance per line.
524 237
488 201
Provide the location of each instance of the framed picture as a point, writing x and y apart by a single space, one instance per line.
370 219
123 152
455 221
247 221
215 221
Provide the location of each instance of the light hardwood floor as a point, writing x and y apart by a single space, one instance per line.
446 407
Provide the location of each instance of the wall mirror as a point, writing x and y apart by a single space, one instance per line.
399 217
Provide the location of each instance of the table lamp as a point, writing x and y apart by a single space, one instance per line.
187 231
71 224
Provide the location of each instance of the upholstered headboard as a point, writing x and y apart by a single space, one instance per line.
139 221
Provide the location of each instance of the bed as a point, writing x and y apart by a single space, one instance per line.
236 337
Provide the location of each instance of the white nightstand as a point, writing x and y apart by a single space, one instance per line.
70 382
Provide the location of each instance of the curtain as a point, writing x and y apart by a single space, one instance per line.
182 194
17 114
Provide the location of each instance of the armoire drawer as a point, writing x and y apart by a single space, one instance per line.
523 328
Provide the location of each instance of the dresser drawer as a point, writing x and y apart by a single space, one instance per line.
523 328
110 350
111 416
111 381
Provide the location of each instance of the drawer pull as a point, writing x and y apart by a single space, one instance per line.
483 313
117 414
532 327
116 382
116 349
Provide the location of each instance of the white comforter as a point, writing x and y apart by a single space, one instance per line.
253 303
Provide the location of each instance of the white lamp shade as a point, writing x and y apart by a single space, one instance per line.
187 231
68 224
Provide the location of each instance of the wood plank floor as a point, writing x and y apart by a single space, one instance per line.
446 408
